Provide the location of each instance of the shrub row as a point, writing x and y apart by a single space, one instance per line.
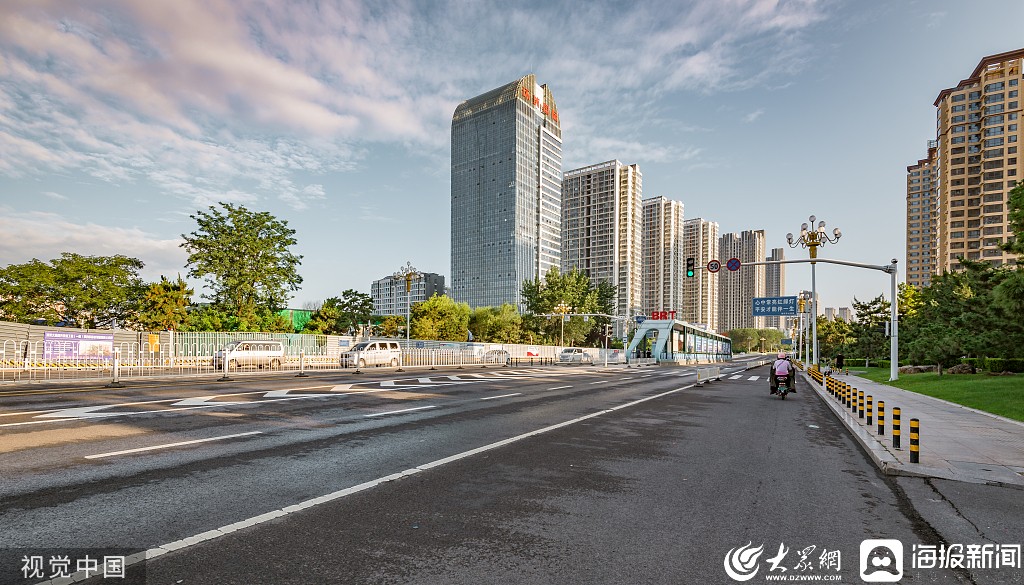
996 364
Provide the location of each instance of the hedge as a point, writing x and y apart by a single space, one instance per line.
996 364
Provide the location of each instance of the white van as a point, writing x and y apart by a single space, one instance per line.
253 353
372 353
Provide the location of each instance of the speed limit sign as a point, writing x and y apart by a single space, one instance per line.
714 266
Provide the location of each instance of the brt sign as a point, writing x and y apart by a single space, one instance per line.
774 306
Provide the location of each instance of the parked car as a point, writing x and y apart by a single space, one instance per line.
257 353
495 356
372 353
575 355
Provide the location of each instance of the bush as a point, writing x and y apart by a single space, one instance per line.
884 364
978 363
1014 365
995 364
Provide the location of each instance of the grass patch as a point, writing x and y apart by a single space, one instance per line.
1002 395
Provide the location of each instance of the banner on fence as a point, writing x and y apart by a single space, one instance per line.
73 345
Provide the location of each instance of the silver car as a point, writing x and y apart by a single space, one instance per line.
575 355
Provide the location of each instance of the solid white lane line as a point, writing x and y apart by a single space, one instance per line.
25 412
600 381
502 396
262 518
559 387
398 411
169 445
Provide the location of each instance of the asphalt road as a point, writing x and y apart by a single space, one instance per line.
529 475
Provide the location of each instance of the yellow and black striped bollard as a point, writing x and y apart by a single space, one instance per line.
881 417
860 403
915 440
896 427
853 400
845 396
870 398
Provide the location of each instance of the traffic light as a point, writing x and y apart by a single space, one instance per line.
691 267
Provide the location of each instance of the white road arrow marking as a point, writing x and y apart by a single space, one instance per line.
202 401
82 412
285 394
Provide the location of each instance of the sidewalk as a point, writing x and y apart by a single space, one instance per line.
957 442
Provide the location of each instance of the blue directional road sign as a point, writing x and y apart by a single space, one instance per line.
640 319
787 341
774 306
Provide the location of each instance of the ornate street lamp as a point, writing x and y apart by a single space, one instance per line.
811 237
563 309
408 274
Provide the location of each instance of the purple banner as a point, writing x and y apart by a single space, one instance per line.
73 345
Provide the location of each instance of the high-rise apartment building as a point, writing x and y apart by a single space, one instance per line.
844 314
700 293
389 296
922 217
601 228
977 161
775 283
664 256
506 192
737 289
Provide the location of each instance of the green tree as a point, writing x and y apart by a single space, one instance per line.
214 318
165 305
340 315
749 339
87 291
501 324
833 337
579 294
392 325
440 318
869 327
245 259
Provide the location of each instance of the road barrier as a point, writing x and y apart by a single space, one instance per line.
915 440
708 374
863 406
896 427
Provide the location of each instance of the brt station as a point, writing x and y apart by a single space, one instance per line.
677 342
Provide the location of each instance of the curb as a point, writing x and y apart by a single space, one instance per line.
884 460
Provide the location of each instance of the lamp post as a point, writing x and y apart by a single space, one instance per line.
762 345
563 309
408 274
811 237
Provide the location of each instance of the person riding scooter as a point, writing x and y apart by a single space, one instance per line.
782 367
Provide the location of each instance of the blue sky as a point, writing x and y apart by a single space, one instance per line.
120 118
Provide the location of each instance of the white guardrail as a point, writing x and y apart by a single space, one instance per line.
708 374
23 360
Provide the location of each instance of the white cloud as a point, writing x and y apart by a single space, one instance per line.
248 99
753 116
53 195
46 235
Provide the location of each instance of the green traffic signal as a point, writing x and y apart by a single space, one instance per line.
691 266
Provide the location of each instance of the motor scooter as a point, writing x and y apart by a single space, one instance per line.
781 384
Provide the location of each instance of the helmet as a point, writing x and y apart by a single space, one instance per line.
782 355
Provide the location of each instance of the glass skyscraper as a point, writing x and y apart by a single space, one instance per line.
506 192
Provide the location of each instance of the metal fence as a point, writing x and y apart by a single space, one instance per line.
30 353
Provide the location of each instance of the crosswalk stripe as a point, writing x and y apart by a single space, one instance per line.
753 378
736 377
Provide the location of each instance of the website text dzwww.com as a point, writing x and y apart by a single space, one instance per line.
803 577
